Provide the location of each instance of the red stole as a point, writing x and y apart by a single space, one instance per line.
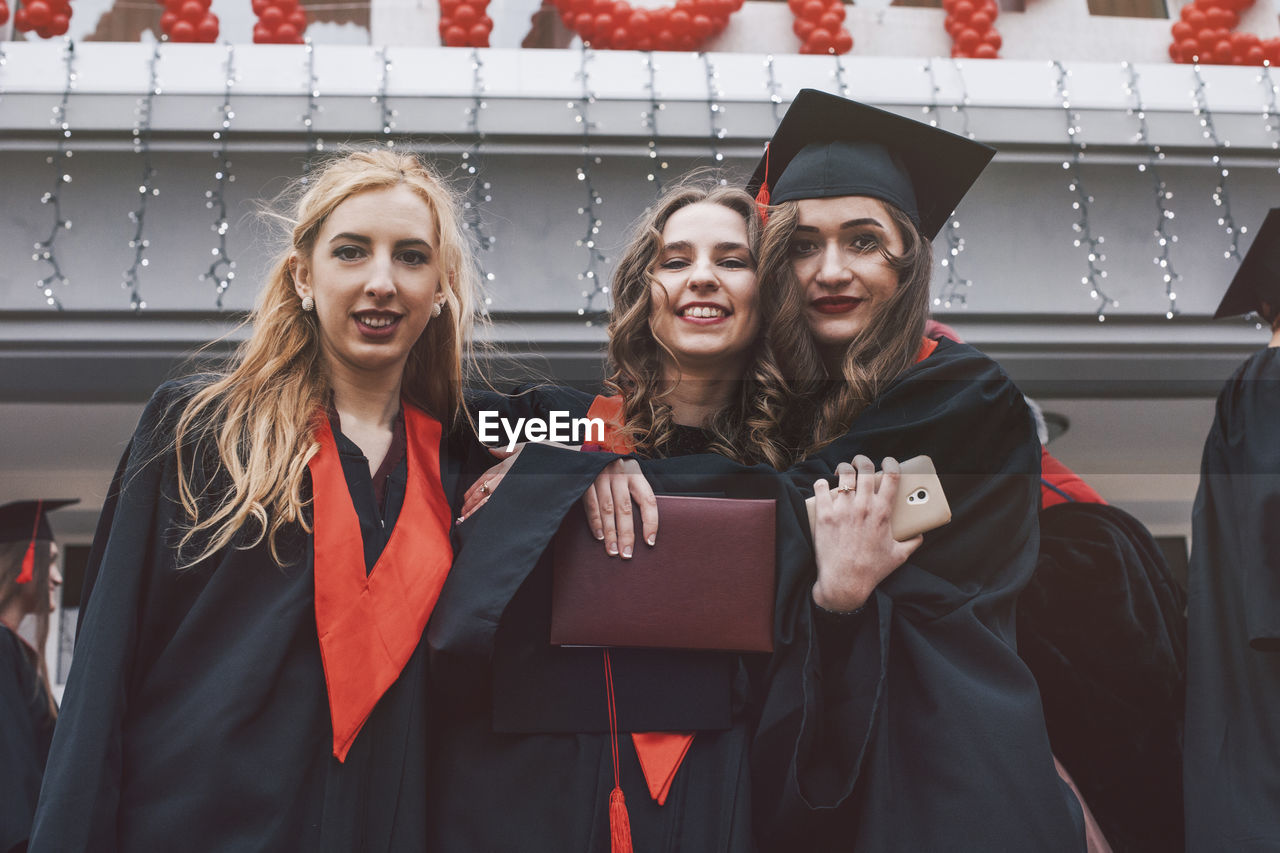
660 753
370 623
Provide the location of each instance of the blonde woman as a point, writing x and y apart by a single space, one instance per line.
249 673
29 581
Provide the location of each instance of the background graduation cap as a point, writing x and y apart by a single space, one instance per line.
1258 278
830 146
27 521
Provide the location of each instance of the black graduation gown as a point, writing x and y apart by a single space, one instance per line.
195 715
26 727
1231 768
913 726
521 756
1102 626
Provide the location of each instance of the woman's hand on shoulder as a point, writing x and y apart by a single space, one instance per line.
853 540
608 504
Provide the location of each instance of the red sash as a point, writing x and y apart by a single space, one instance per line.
660 753
370 623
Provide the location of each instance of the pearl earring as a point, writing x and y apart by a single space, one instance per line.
308 303
437 309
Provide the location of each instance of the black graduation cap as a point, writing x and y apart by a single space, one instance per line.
27 521
831 146
1258 278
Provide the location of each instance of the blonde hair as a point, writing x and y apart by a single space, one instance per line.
11 555
746 430
822 406
258 416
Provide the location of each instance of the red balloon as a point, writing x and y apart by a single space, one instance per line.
843 41
680 21
604 25
183 30
1222 53
1189 49
803 28
192 12
992 38
949 5
1195 18
812 10
968 39
1255 55
465 15
701 26
4 13
980 21
622 39
454 36
1243 41
1182 30
964 10
796 6
20 21
261 35
286 6
272 17
664 39
38 14
207 30
821 41
59 25
167 20
1206 39
836 9
829 22
298 17
686 41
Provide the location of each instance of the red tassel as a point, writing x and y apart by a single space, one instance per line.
619 823
28 564
762 197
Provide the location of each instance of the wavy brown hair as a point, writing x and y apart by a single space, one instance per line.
11 554
258 416
748 429
822 404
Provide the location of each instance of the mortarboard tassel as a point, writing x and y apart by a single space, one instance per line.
762 197
619 820
29 558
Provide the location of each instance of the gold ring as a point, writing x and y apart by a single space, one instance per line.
844 488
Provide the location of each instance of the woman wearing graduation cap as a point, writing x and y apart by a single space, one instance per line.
1231 756
249 673
29 579
908 722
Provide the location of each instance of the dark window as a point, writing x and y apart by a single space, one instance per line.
1129 8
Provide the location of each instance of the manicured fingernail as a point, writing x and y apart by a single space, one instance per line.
653 539
461 519
599 534
612 548
626 553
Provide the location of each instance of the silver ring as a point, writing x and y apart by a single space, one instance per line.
484 488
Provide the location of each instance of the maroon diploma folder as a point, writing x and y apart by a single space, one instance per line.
707 584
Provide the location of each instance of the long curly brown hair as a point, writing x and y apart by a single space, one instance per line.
749 429
11 554
821 403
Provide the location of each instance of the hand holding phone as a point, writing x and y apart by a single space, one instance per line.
920 505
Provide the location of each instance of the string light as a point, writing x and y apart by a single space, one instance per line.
387 116
839 75
590 241
478 191
46 250
222 270
1083 228
963 107
714 110
774 90
138 216
1221 196
1165 238
955 288
656 165
315 145
1271 114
